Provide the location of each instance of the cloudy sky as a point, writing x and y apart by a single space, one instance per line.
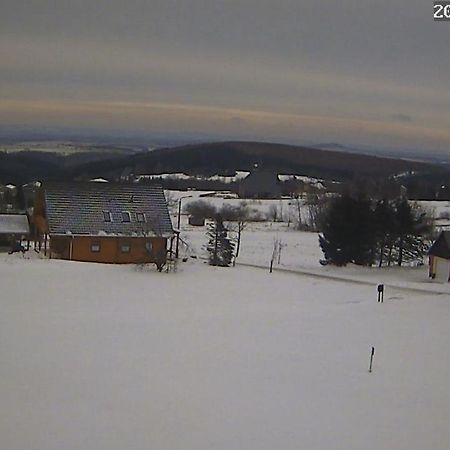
374 72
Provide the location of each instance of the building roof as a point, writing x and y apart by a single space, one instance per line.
261 182
441 246
97 209
14 224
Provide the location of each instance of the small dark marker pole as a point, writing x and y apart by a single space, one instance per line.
380 289
372 353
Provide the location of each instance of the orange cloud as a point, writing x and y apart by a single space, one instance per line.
171 117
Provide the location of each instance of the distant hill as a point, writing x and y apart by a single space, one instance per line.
25 166
218 158
225 158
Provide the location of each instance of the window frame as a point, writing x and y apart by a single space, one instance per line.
95 244
126 214
140 217
107 216
125 245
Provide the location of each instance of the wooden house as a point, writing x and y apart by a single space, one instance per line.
439 255
103 222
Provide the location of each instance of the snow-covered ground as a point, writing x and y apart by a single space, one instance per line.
240 175
113 357
300 250
287 207
118 357
301 253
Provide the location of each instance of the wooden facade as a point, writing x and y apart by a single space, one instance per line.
109 249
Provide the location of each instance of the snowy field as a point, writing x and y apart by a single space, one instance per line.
435 209
107 357
301 253
300 250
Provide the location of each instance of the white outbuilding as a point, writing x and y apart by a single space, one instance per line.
440 258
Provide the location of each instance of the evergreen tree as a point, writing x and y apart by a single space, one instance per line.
347 234
384 229
404 226
220 247
412 229
354 232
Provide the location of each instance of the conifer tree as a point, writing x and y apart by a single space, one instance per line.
220 247
347 234
355 232
384 228
411 228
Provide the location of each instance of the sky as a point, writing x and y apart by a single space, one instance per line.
356 72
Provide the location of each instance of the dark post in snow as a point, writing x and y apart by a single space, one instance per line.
380 290
275 252
372 353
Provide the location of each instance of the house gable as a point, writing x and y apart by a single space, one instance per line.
260 184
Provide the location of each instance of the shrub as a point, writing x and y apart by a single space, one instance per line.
201 209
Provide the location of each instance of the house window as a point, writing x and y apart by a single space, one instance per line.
95 247
107 217
125 248
140 217
148 246
126 216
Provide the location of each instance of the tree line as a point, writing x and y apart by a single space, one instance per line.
353 229
360 231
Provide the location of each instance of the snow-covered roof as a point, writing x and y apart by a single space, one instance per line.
14 224
80 208
316 182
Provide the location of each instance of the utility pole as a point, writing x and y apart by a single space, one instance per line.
179 224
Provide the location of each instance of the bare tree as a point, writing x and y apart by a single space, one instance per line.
298 206
241 225
170 199
240 215
281 215
272 213
276 252
315 206
201 209
151 227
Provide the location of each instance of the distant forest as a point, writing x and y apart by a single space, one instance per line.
378 175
